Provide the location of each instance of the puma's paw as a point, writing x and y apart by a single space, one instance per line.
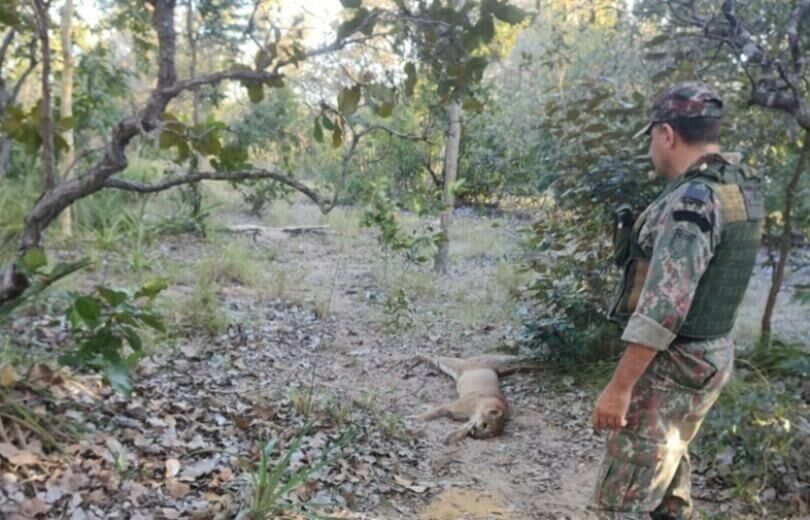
456 436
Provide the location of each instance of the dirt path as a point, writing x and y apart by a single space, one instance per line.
543 467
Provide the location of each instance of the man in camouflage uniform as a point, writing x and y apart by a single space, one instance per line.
685 263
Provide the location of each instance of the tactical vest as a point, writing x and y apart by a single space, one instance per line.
722 286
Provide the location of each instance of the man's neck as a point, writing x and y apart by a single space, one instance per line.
689 157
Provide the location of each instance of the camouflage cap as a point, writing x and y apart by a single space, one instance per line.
684 101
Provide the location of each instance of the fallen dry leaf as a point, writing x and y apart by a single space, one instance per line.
34 506
199 468
169 513
16 456
410 485
8 376
190 351
43 374
172 467
177 489
225 474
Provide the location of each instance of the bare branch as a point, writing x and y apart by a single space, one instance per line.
776 86
396 133
210 79
255 75
171 182
332 47
80 156
32 64
437 180
7 39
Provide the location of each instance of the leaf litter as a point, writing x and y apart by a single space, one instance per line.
186 441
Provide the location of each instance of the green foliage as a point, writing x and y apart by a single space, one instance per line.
597 161
382 215
268 131
31 265
17 195
8 13
780 359
499 159
203 139
23 126
101 93
754 439
453 56
270 481
118 222
598 167
447 41
803 294
398 311
573 279
232 265
102 322
202 311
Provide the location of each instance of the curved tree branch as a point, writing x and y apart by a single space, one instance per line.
114 160
145 120
171 182
260 76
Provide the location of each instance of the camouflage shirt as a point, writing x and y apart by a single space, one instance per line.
679 250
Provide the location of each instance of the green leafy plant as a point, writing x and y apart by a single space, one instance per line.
31 265
381 214
271 482
398 311
754 439
802 294
102 322
572 281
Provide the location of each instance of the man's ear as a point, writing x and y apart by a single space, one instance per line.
670 136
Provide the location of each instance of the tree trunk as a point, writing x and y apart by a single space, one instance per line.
66 109
52 202
451 150
194 190
784 243
46 124
257 207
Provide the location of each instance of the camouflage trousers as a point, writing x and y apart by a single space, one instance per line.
645 472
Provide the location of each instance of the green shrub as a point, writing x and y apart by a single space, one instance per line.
756 439
573 280
102 322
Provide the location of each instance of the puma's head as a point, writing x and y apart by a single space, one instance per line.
490 417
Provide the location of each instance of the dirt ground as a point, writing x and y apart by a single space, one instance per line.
314 342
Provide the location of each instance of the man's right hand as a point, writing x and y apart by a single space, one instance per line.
610 411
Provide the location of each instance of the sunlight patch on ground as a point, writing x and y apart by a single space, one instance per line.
468 504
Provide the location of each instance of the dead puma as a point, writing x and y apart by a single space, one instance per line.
480 401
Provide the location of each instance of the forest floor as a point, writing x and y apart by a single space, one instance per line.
309 327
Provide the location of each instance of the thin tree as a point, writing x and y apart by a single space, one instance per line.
66 108
46 119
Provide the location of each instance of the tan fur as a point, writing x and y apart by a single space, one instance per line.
480 403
